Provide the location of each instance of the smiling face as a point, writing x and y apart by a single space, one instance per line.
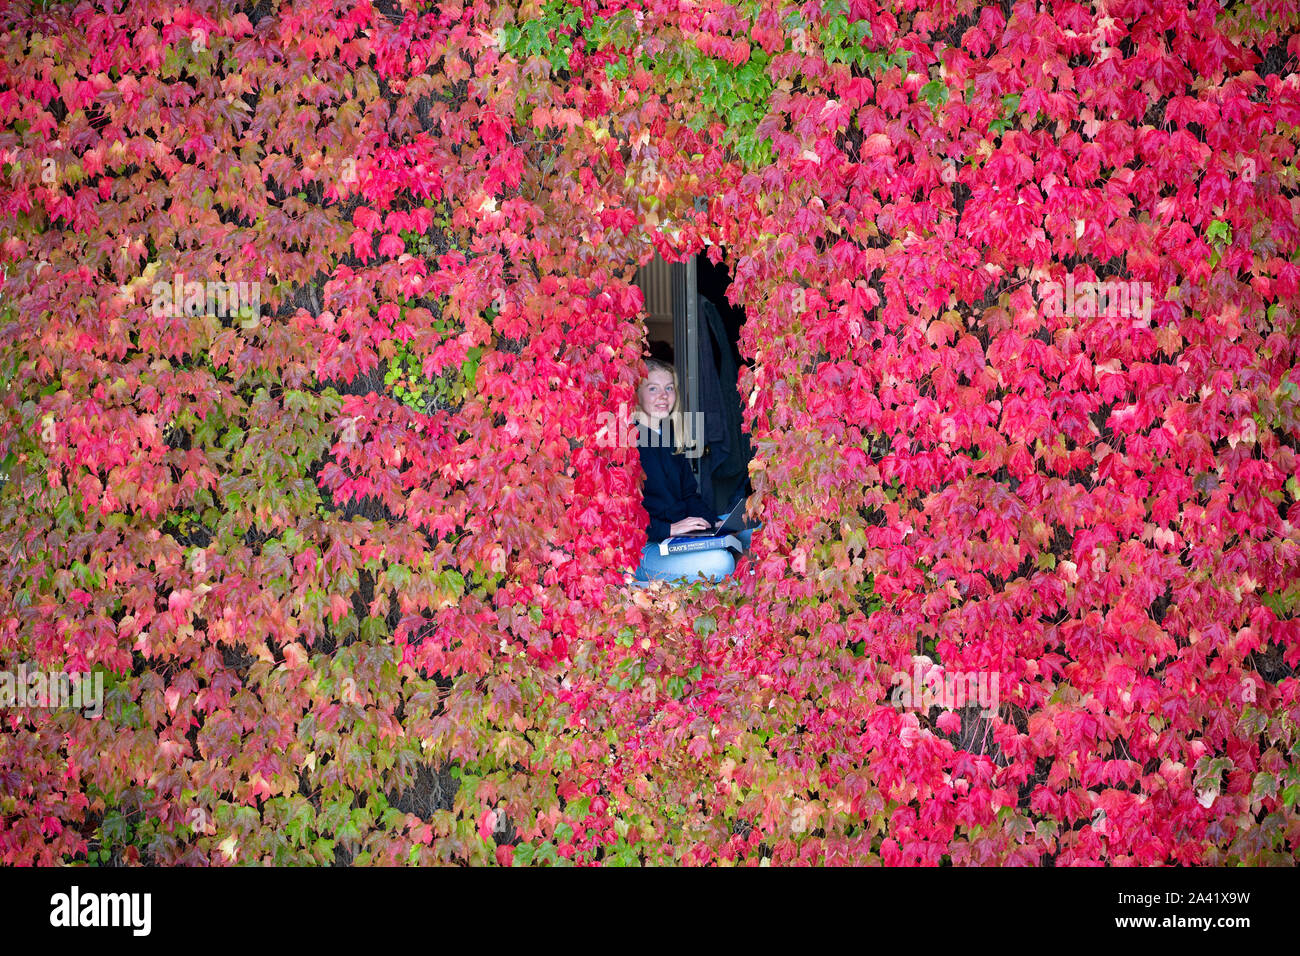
657 397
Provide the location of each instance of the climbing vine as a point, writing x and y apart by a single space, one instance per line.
346 549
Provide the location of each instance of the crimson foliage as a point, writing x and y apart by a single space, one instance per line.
351 561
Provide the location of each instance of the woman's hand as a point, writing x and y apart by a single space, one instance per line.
688 524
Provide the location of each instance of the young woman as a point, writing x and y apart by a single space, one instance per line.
672 497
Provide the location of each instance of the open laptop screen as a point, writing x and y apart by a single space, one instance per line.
733 522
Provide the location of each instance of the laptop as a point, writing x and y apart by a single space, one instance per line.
733 522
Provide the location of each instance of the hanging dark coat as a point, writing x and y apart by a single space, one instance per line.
724 468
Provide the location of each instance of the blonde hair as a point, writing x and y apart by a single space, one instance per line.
674 416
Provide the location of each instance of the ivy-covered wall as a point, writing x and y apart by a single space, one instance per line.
313 311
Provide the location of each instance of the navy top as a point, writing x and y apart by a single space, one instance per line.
671 493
